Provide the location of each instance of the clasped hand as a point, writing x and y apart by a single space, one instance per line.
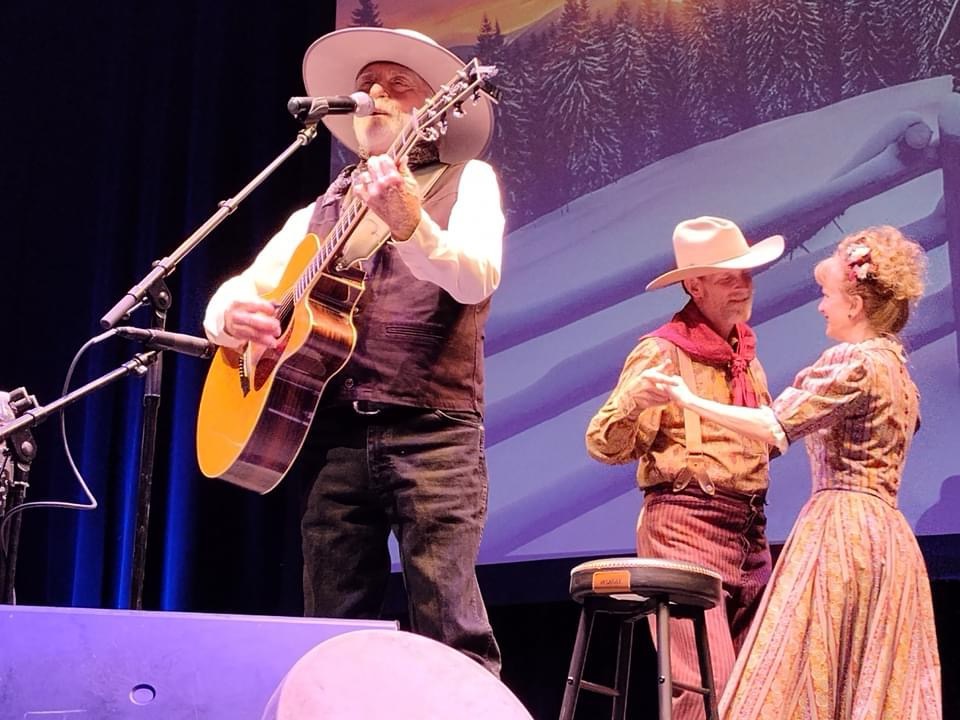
641 391
654 386
672 386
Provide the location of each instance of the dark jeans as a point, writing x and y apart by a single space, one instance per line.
421 473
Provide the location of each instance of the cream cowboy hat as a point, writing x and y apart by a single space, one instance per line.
707 245
332 63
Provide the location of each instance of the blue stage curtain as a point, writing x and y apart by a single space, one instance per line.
123 126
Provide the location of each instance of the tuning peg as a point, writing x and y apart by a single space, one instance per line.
429 134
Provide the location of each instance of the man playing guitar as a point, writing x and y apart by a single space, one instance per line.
396 439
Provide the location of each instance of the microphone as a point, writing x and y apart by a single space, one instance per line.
162 340
312 108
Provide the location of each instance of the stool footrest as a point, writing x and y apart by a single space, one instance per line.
691 688
599 689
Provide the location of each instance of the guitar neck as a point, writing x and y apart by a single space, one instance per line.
352 213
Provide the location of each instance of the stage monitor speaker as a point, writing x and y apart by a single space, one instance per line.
81 664
396 675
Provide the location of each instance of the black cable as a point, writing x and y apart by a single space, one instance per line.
61 504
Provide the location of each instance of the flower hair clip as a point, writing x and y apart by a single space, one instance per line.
858 263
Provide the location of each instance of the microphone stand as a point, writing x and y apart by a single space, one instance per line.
22 449
152 290
160 299
16 433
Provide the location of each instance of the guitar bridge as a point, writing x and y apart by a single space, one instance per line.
244 371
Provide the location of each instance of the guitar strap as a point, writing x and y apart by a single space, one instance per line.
371 232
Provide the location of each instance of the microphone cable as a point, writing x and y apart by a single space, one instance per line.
91 503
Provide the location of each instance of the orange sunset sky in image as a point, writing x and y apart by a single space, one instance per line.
453 23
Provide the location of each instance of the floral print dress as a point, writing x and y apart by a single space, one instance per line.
846 628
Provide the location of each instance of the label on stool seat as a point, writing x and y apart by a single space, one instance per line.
610 581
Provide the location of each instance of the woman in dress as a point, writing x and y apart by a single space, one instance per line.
845 629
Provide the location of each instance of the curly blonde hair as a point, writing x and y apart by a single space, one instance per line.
888 274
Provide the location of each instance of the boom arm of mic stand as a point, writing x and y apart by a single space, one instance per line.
16 432
162 268
138 365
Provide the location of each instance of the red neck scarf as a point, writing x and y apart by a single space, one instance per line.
690 331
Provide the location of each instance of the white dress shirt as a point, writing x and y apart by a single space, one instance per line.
464 259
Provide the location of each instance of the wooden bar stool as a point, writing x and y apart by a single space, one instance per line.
631 588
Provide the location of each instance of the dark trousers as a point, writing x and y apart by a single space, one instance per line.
422 474
727 535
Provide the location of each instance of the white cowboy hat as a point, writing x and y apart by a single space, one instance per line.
332 63
707 245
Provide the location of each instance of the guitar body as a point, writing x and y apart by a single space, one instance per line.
257 406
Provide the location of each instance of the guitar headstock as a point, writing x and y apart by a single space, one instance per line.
467 86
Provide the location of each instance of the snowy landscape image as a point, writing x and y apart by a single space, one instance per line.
805 118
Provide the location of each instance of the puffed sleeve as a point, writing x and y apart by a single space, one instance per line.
824 393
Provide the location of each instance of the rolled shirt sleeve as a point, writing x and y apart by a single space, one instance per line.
621 431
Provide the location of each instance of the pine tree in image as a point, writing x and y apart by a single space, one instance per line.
931 16
785 48
832 19
905 42
707 68
489 47
665 58
869 45
367 14
650 29
629 74
541 193
511 148
732 37
582 117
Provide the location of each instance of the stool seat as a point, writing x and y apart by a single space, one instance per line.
639 579
629 589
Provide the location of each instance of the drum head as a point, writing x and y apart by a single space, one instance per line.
386 674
